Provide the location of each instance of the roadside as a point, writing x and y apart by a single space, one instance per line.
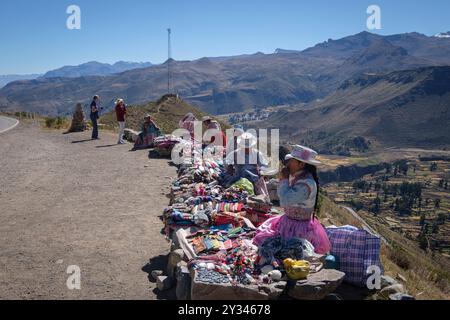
67 200
7 124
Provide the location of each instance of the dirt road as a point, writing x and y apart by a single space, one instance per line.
66 200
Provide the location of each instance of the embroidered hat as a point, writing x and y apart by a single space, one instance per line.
303 154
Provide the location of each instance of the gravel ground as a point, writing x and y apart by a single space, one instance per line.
66 200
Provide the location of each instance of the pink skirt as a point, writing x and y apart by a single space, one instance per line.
288 228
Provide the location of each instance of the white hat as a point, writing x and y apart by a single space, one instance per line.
303 154
119 101
247 140
206 118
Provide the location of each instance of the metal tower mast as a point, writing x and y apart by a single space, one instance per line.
169 46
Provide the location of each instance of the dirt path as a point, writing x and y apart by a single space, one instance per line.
92 204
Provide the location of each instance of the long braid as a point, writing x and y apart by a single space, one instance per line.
313 171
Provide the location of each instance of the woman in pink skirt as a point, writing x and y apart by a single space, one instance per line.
298 193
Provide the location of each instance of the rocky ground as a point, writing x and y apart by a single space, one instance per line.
66 200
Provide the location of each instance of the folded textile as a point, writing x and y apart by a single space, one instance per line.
278 249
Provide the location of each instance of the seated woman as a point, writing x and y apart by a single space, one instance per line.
298 193
246 162
149 132
188 123
213 132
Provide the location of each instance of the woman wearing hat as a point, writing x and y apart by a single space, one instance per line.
121 111
214 131
298 193
246 162
188 123
148 134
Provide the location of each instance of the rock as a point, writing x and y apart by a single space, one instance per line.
78 120
130 135
174 257
387 281
156 273
401 296
226 291
183 276
393 289
164 283
317 286
275 275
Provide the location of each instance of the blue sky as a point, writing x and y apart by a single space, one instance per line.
34 37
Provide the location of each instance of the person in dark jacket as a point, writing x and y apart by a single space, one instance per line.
95 108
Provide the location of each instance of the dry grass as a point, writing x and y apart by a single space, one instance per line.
427 276
166 112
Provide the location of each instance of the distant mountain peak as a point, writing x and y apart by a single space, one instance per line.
285 51
443 35
95 68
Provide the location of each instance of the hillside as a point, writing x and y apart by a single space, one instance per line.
167 112
405 108
234 84
426 275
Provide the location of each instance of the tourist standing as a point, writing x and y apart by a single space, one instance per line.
95 107
121 112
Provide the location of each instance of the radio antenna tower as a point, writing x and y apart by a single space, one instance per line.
169 47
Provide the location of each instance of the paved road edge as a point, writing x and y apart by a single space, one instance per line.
12 127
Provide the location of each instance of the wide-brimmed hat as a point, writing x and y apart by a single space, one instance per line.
206 118
303 154
147 116
119 101
247 140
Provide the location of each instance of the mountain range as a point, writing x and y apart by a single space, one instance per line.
327 78
402 108
92 68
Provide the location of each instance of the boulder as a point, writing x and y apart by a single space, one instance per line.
390 290
174 258
164 283
130 135
401 296
387 281
317 286
156 273
78 120
183 288
227 291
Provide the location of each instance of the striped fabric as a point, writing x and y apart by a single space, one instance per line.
356 250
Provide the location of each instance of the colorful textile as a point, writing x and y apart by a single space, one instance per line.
277 249
287 228
246 185
356 250
298 192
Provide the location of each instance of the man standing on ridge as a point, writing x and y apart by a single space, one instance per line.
95 108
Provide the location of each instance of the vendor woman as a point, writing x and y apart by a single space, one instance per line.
148 133
298 194
246 162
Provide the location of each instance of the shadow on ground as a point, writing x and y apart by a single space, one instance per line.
82 141
159 263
